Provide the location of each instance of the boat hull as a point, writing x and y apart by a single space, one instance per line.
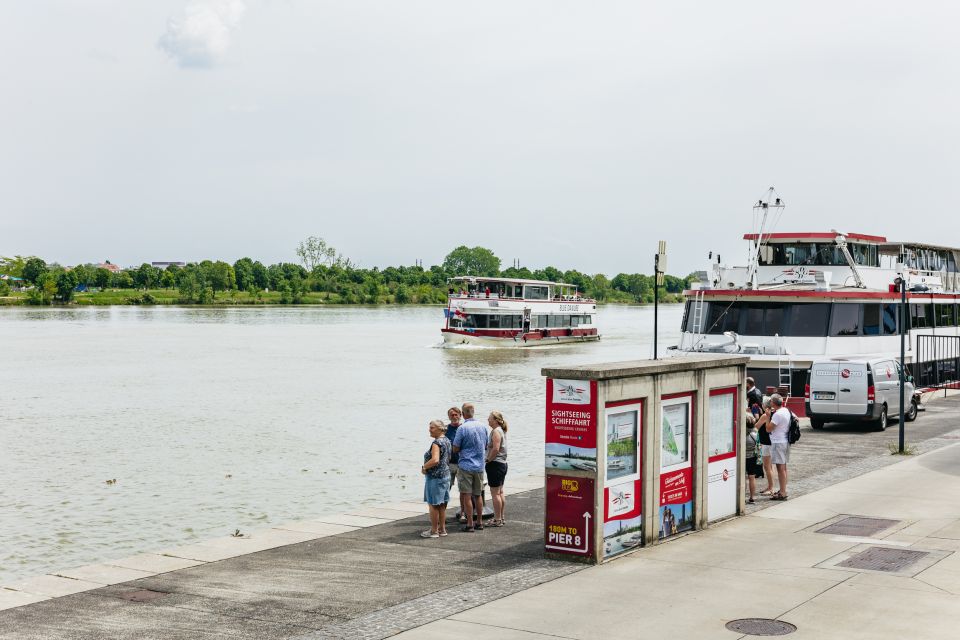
533 339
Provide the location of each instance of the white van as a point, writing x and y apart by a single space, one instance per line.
849 390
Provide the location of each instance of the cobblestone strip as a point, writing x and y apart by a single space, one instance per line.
439 605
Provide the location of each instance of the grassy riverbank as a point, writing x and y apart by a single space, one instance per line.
110 297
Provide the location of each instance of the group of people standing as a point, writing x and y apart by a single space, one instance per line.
461 452
768 442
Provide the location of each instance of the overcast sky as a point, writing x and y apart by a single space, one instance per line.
575 134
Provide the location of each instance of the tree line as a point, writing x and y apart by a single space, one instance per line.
321 275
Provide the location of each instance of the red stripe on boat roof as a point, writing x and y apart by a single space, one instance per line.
781 293
814 236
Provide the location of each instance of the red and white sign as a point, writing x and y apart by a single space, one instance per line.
571 414
676 472
569 510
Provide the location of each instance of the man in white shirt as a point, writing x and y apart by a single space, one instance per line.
776 420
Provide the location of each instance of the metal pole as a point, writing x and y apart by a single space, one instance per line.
903 337
656 299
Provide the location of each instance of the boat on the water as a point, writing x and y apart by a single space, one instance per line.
508 312
805 296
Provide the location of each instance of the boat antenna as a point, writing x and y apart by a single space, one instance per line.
771 205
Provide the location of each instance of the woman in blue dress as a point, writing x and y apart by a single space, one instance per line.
436 489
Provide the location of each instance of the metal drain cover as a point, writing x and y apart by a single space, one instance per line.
858 526
143 595
760 627
883 559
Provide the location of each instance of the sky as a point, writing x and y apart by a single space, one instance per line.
572 134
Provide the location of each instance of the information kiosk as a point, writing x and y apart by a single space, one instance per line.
636 452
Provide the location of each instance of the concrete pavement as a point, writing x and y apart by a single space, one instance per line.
772 564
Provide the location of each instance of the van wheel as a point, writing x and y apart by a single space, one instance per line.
911 413
816 423
881 423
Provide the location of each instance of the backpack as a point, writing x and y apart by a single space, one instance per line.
793 435
757 452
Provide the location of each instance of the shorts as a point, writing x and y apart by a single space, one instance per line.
436 491
765 450
780 453
454 468
754 468
470 482
496 472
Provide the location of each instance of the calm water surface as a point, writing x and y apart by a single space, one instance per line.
216 419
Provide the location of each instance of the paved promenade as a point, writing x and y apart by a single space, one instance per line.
368 575
775 564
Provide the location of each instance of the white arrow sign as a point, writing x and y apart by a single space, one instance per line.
586 537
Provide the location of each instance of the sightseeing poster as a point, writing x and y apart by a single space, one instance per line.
571 425
569 510
622 442
676 472
622 522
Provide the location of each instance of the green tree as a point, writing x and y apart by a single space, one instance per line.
168 277
145 276
4 288
260 279
402 296
33 269
102 278
66 282
477 261
221 276
123 280
243 271
12 266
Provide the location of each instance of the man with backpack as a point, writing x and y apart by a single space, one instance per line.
777 420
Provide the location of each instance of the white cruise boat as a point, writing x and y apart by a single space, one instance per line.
806 296
508 312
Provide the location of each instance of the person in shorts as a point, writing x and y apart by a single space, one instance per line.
471 444
776 420
752 454
763 437
497 465
455 418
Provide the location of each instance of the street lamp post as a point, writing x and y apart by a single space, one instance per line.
901 281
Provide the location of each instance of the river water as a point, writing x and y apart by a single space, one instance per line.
212 420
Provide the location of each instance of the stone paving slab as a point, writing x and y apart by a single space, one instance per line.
53 586
153 563
104 574
10 599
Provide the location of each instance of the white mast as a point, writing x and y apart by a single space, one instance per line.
762 209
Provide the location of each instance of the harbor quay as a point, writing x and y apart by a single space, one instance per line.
368 574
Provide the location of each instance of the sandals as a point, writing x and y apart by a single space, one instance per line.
429 534
495 523
768 492
466 529
750 501
778 496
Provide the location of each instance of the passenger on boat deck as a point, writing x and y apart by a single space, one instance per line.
487 291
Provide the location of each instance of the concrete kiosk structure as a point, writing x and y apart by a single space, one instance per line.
636 452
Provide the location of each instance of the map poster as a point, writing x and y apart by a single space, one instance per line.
570 441
722 422
569 511
675 434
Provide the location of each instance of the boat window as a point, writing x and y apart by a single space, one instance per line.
574 321
773 319
871 319
685 323
731 321
753 325
890 314
808 319
946 316
921 316
535 293
845 320
715 317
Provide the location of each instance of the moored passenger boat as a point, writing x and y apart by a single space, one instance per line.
807 296
517 313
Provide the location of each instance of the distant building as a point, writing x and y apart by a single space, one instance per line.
112 268
164 265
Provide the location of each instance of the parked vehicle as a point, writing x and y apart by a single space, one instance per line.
855 390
